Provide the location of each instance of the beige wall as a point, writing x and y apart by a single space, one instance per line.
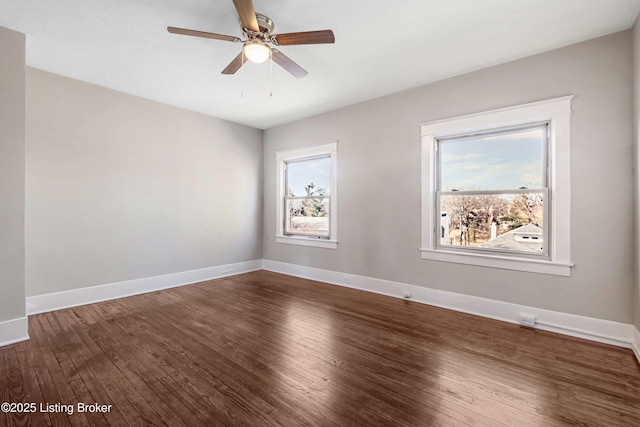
121 188
12 159
379 180
636 139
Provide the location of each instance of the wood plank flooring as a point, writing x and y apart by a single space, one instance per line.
264 349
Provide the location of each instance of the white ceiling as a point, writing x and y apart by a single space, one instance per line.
382 46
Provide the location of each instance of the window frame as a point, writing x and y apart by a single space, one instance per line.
557 113
544 189
300 154
289 198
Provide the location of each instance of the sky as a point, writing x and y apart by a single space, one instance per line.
301 173
506 161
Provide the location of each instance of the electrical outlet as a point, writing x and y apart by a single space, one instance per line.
527 319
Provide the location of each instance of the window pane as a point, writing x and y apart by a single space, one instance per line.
510 222
498 161
311 177
307 216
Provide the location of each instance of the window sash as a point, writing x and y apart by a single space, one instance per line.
286 229
476 249
326 196
491 192
304 159
495 131
499 131
301 160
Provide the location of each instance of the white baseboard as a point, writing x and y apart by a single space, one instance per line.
605 331
636 343
14 331
73 298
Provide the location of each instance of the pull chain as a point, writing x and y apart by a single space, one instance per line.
270 73
242 74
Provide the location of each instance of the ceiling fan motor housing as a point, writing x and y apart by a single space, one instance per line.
265 24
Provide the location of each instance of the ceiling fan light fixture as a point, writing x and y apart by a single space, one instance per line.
257 29
256 51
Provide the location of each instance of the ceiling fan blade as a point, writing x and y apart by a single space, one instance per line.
235 65
247 14
195 33
285 62
307 37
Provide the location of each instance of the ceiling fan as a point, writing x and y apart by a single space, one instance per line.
257 30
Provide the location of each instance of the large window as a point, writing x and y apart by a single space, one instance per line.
492 191
496 188
307 196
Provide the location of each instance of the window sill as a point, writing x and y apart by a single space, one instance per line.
306 241
502 262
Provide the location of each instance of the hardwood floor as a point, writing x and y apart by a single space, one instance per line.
263 349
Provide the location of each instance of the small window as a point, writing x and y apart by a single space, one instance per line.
492 191
307 199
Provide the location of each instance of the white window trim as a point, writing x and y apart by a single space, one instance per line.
557 112
300 154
